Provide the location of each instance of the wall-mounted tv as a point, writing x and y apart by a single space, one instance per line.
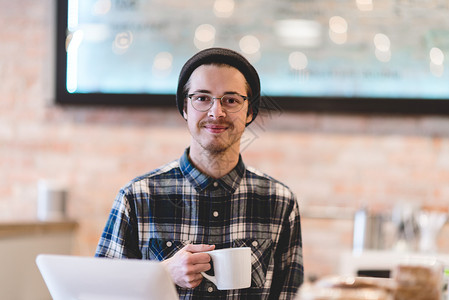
387 56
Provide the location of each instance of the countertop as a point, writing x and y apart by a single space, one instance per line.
18 228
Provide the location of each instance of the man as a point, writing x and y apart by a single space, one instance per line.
208 199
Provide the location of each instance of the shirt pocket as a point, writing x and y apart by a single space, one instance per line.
161 249
261 250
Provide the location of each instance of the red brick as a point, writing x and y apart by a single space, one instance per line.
335 161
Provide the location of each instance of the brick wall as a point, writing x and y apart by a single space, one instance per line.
335 163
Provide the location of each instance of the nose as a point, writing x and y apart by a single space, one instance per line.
216 110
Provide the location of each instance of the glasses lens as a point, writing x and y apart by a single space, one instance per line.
201 102
232 103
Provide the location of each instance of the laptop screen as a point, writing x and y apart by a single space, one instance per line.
91 278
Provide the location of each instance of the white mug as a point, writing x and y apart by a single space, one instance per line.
232 268
51 201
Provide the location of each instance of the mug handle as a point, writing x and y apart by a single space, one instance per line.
210 278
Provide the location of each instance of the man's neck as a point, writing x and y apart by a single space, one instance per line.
214 164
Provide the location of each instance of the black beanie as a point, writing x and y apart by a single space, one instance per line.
221 56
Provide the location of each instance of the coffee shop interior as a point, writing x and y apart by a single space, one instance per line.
356 121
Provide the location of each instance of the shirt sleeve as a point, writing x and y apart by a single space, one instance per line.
120 235
288 263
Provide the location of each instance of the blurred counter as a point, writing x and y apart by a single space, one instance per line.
381 263
20 243
16 229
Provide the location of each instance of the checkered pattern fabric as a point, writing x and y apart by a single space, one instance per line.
160 212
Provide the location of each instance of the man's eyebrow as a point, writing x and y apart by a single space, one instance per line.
209 92
231 92
202 91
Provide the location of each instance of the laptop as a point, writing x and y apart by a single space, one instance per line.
91 278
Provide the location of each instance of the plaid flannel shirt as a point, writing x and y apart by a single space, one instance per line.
160 212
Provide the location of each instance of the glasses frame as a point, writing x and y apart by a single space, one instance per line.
214 98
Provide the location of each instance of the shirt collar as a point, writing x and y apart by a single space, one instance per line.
201 181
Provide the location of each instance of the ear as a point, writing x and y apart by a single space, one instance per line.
249 115
249 118
184 110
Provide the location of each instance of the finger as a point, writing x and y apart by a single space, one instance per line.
199 248
196 268
194 283
199 258
195 278
200 268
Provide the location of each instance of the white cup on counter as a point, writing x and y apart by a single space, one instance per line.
51 201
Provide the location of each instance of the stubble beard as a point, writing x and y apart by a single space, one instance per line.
217 147
217 150
218 156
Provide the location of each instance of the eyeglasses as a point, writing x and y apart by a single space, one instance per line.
230 102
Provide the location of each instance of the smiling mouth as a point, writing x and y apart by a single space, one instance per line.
215 128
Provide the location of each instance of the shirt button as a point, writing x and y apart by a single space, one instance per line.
255 243
215 184
215 214
210 289
168 244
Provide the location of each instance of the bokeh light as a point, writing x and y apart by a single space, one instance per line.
204 36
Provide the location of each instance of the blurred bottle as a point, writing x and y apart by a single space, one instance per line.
369 231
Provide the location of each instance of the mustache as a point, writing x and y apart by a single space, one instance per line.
215 123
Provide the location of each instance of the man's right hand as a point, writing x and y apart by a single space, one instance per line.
186 265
